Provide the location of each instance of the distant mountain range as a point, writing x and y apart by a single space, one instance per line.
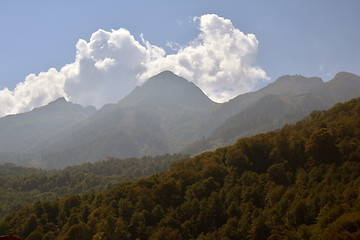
287 100
34 130
166 114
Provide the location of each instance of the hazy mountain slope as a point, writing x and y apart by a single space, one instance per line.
31 131
180 107
341 88
167 90
284 86
21 159
161 116
270 112
124 134
168 113
297 97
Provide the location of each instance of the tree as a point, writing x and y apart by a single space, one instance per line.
345 227
30 225
166 233
321 147
80 231
278 174
35 235
71 202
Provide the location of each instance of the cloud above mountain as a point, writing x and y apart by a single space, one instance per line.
35 91
107 67
221 60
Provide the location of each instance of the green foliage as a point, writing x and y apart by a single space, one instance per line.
20 186
281 189
347 226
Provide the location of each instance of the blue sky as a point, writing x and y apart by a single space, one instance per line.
311 38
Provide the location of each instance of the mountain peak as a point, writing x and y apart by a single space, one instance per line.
167 89
290 85
59 101
298 78
165 74
167 77
341 76
32 131
61 105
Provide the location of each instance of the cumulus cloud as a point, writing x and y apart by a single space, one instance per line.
33 92
221 60
106 67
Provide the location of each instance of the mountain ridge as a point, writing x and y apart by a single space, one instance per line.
152 120
26 132
314 95
159 90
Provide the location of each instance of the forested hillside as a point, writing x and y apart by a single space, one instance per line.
21 186
301 182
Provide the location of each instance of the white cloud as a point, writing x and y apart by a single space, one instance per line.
33 92
105 64
107 67
174 46
221 60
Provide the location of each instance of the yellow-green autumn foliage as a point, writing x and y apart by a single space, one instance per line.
20 186
301 182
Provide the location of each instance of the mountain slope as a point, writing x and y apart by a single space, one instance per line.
289 99
31 131
167 114
158 117
341 88
167 90
288 86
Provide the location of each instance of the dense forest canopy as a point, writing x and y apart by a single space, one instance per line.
21 186
301 182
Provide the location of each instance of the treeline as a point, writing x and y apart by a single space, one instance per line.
21 186
301 182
